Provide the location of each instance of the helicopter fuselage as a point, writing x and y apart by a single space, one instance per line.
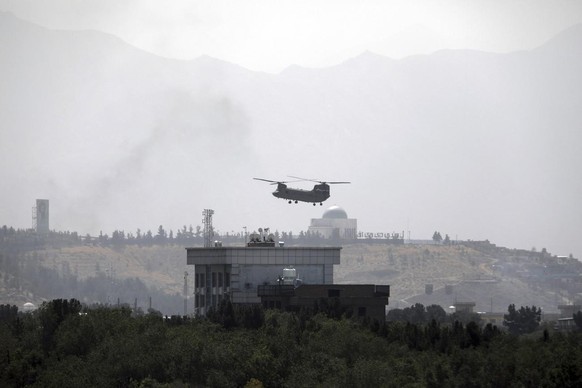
318 194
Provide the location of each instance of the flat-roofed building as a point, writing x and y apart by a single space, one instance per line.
357 300
464 307
567 310
236 272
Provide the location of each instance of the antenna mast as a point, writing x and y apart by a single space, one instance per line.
208 230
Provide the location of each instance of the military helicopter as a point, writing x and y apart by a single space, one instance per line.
318 194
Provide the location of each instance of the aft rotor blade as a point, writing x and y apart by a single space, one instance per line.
318 181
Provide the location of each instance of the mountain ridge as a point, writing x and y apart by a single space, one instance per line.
572 35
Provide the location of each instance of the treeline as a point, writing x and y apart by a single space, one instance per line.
67 344
11 238
524 320
19 239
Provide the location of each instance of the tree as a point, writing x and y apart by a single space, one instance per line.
148 238
578 320
223 314
103 237
52 314
436 312
522 321
418 314
118 237
161 236
8 313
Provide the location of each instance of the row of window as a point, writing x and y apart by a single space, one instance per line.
219 279
202 300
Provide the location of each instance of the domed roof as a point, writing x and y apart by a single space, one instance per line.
335 212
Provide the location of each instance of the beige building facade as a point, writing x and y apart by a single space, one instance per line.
334 224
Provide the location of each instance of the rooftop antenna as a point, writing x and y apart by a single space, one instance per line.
208 230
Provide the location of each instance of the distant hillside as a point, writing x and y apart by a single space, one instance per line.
36 271
492 277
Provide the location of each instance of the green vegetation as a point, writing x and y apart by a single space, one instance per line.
522 321
418 315
65 344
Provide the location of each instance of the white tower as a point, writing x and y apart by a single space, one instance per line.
40 216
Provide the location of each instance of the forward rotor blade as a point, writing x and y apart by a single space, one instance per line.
304 179
267 180
273 182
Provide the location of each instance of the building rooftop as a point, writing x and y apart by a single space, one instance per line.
335 212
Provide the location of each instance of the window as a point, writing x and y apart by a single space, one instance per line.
227 279
220 277
361 311
333 293
214 279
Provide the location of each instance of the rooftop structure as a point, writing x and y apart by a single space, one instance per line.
334 223
464 306
567 310
356 300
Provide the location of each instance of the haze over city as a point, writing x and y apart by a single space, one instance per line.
461 117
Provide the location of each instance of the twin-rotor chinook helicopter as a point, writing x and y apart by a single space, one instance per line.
318 194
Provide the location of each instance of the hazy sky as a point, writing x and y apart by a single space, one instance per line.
270 35
110 170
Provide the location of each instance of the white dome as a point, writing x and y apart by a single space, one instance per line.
335 212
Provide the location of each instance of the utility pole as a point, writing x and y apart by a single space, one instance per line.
185 293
